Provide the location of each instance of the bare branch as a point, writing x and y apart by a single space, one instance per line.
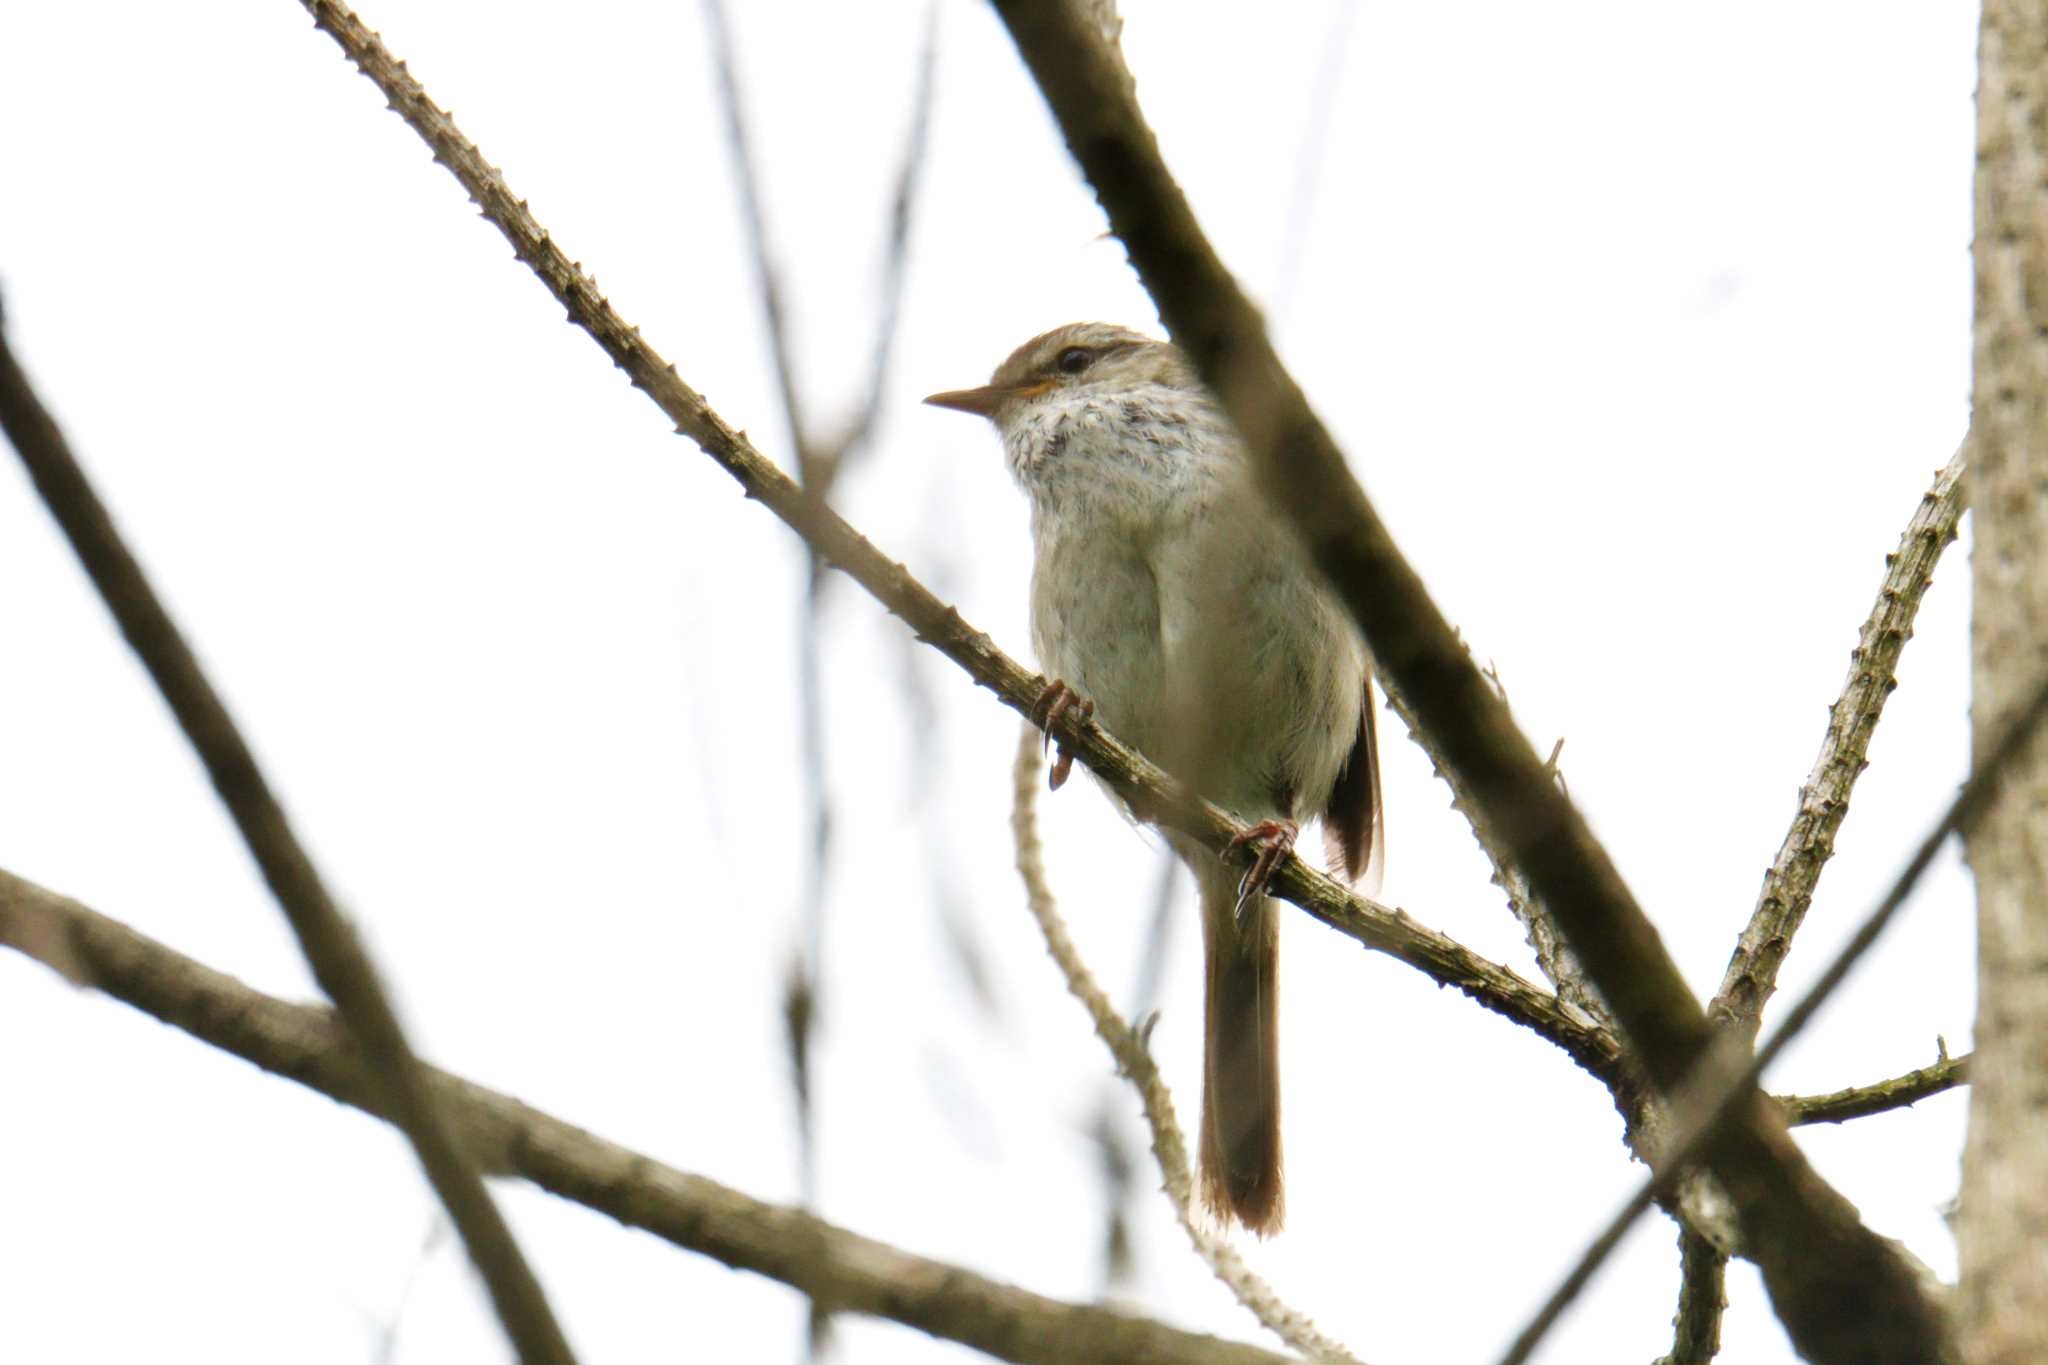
1752 973
1169 1147
1702 1295
1128 773
831 1265
1861 1101
326 938
1839 1289
896 257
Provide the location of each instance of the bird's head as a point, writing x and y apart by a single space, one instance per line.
1079 358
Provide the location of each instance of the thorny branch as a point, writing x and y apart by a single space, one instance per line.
1752 973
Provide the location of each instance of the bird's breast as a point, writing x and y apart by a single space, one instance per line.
1095 621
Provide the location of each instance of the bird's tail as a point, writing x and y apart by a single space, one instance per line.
1241 1170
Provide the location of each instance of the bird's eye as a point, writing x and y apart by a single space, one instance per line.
1074 359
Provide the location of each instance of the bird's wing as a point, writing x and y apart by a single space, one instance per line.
1354 822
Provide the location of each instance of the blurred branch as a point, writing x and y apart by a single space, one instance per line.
1141 783
820 459
819 464
896 255
766 274
385 1330
1752 973
1157 944
1702 1295
1312 153
926 776
1843 1293
1132 1059
328 941
502 1135
1839 1106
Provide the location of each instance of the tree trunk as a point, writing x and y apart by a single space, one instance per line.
2002 1309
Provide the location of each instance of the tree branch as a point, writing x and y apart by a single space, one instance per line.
326 938
1702 1295
1128 1049
1843 1293
1752 973
1861 1101
1141 783
500 1134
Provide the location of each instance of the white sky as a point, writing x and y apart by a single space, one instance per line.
1645 327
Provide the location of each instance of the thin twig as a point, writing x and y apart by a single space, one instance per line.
1861 1101
819 464
1752 973
1128 773
1132 1059
829 1264
803 979
326 938
1836 1285
767 275
1702 1295
1720 1099
859 439
925 778
1157 944
385 1338
1335 46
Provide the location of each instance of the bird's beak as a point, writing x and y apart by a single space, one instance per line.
984 401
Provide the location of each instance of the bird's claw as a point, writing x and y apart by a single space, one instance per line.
1052 706
1273 840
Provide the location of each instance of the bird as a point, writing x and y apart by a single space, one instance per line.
1172 604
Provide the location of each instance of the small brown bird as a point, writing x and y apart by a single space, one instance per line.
1168 597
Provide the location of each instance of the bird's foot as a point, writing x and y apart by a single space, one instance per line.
1273 840
1052 706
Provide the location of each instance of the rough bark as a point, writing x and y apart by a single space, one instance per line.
2002 1231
